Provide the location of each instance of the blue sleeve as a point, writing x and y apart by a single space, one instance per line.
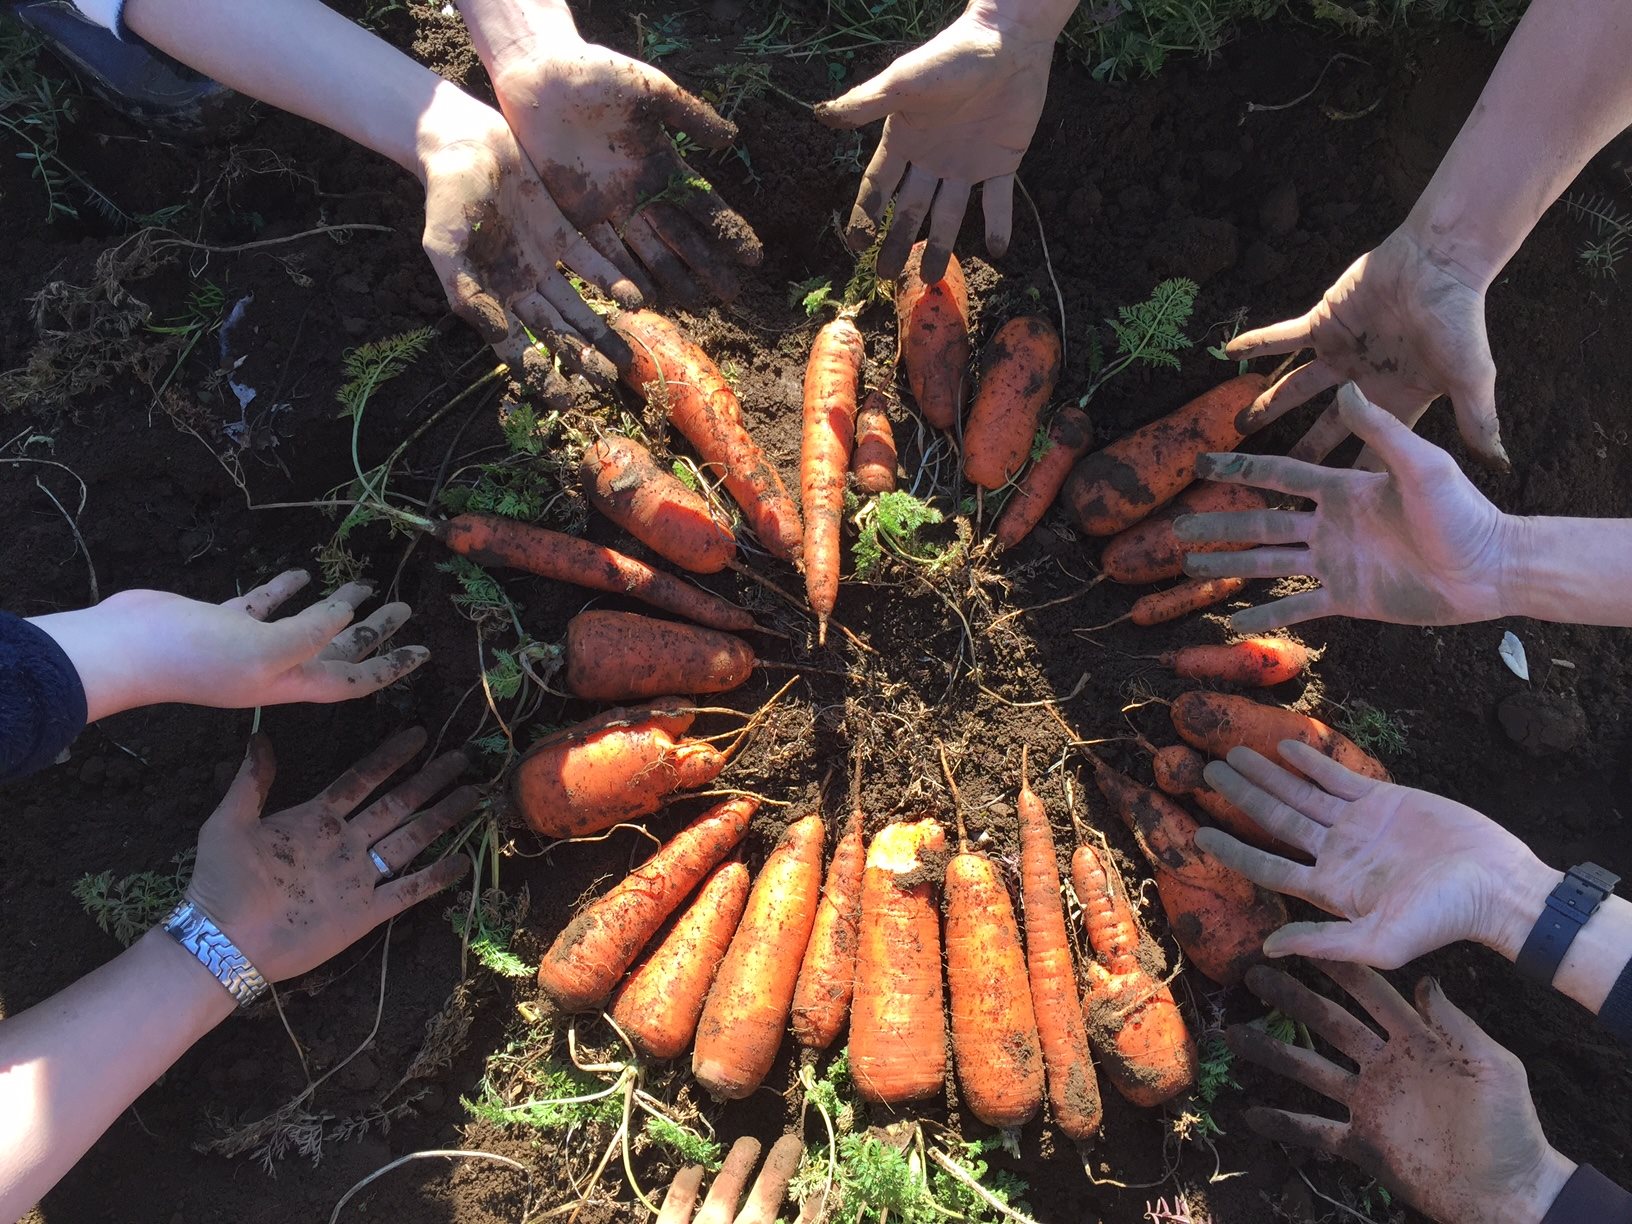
42 702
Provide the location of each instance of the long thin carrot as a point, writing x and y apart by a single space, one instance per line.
1257 662
622 656
1069 435
1073 1089
1151 551
827 979
673 373
873 460
1189 596
490 540
831 376
933 341
624 482
1217 722
590 954
747 1007
1019 368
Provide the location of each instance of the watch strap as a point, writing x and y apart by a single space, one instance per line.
191 926
1577 898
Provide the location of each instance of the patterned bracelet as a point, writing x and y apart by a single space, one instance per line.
194 929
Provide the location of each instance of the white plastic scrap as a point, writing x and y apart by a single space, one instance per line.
1512 652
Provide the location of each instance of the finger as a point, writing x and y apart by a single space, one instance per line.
604 238
771 1186
1275 472
394 896
997 202
328 681
345 793
1297 1130
304 636
678 233
1272 341
535 370
379 818
721 1204
1250 563
1357 942
911 203
945 219
473 303
682 1195
722 227
362 639
878 184
1267 870
1304 799
1371 990
684 111
402 847
1324 436
1474 402
1285 822
265 599
1291 1062
1280 613
1400 449
1341 1029
1298 387
546 321
1453 1025
1245 527
1340 780
663 264
586 259
246 797
557 290
874 99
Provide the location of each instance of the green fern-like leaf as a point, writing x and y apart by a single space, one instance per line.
1151 333
369 366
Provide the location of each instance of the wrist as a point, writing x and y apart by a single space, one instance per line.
453 118
511 34
1454 235
201 1001
1530 1202
1030 20
1522 901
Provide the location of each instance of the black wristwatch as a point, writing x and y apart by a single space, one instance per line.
1577 898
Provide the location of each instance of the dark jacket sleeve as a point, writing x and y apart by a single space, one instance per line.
1590 1198
42 702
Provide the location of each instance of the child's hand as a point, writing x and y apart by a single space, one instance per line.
140 648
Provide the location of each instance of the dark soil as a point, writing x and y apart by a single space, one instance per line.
1133 182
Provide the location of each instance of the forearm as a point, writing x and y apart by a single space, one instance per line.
503 31
1040 19
1573 571
71 1065
1559 93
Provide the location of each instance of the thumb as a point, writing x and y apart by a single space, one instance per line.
1448 1020
246 797
1401 450
1474 403
873 99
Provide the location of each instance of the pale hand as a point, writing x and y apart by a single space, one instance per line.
765 1201
1438 1112
1406 871
1416 544
1408 327
957 111
298 887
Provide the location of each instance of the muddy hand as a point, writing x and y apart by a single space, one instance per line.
720 1207
1438 1112
1406 326
1416 544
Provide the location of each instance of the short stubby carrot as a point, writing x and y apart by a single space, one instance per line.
635 491
1217 722
1254 662
621 765
1178 769
1112 489
897 1019
491 540
587 958
1019 369
1133 1020
659 1003
827 979
1151 551
1191 595
622 656
1069 435
872 462
933 339
674 374
747 1008
831 376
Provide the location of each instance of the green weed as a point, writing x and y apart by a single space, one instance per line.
491 928
1611 226
814 295
686 1144
1379 732
892 524
1150 334
1213 1073
127 907
556 1095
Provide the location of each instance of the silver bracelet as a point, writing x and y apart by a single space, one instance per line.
193 928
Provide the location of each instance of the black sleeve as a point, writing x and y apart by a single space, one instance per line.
1616 1012
42 702
1590 1198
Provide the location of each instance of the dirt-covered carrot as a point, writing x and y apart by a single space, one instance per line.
872 462
897 1019
1150 551
1178 771
674 374
620 765
1133 1020
1189 596
831 376
1069 435
639 494
1073 1089
490 540
1019 368
622 656
1217 722
933 327
827 979
1112 489
1219 917
747 1007
1256 662
658 1004
590 954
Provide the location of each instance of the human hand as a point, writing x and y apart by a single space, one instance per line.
298 887
1407 871
1438 1112
1404 323
957 111
1416 544
720 1207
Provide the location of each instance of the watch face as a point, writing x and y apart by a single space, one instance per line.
1596 876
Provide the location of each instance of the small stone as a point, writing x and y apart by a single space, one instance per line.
1278 214
1543 724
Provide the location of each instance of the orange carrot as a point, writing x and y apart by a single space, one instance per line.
1217 722
1069 435
873 461
635 491
659 1003
1257 662
747 1007
675 374
1019 369
1150 551
1189 596
1133 1020
1073 1089
933 326
1178 770
490 540
897 1021
620 765
1114 488
827 979
1219 917
830 431
621 656
589 956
